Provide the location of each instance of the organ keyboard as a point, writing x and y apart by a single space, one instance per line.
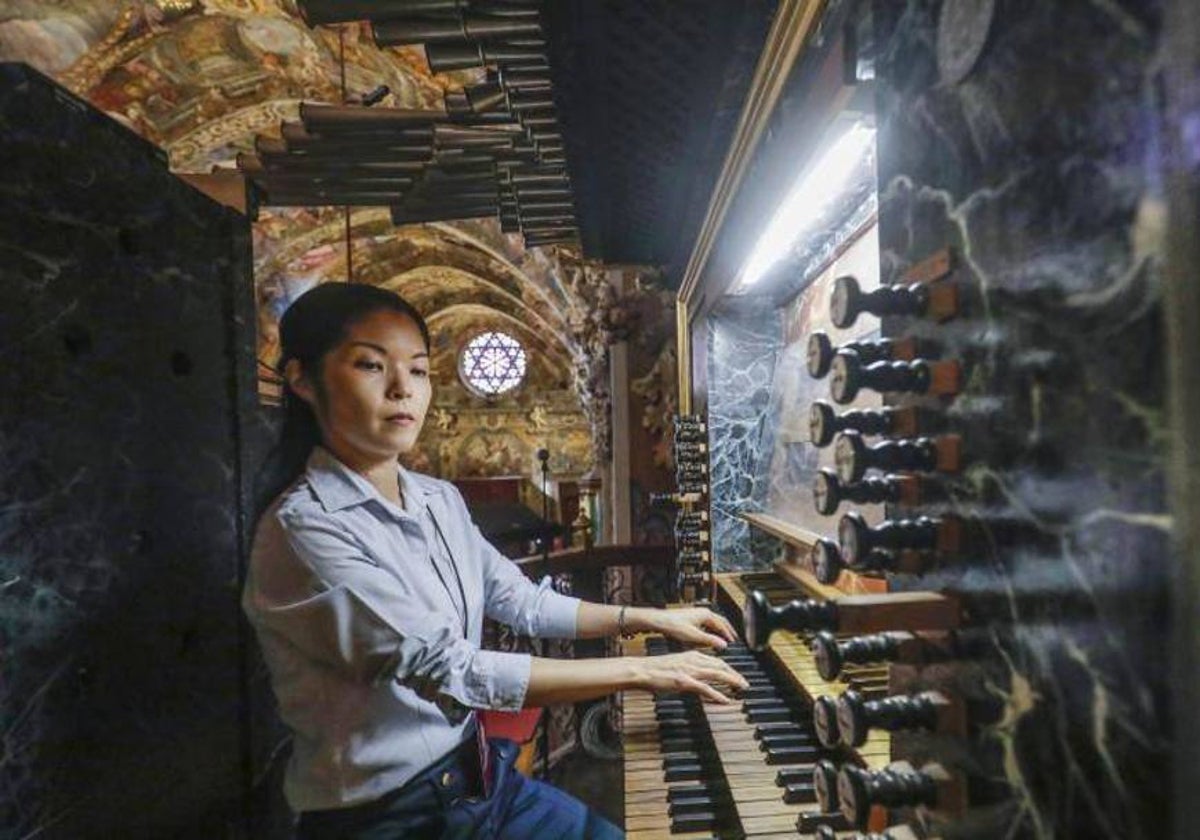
696 770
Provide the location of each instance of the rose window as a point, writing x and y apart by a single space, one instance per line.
492 363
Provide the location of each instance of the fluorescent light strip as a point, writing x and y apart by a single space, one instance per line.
807 201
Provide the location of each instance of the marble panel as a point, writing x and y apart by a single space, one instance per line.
126 364
743 346
1038 165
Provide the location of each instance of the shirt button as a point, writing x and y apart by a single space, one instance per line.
447 779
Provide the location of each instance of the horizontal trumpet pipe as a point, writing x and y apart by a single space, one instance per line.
396 32
324 12
443 58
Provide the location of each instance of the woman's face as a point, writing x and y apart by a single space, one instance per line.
374 389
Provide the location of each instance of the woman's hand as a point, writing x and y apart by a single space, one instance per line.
693 626
691 671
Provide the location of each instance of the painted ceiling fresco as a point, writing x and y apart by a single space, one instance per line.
201 78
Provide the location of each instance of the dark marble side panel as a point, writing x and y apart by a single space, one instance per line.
743 346
1041 169
125 297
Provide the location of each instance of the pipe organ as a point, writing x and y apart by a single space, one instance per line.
494 149
921 460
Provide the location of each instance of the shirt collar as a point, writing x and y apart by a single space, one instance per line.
338 487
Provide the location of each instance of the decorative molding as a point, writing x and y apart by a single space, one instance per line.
191 150
794 22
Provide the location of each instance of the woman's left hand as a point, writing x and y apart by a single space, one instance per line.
693 626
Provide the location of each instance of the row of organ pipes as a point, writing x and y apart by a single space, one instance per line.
495 149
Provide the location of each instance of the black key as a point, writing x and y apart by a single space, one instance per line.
689 791
685 773
684 759
759 691
787 739
694 822
794 776
799 793
691 806
810 822
771 701
770 715
680 744
794 755
780 727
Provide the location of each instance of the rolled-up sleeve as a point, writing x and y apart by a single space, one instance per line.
532 609
367 622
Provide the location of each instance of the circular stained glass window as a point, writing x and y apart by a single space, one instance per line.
492 363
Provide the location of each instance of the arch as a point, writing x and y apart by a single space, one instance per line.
424 285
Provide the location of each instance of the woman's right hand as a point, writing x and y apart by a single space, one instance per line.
691 671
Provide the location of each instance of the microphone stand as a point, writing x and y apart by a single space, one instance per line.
543 455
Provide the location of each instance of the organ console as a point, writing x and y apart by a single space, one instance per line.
955 391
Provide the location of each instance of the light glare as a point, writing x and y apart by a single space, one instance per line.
809 198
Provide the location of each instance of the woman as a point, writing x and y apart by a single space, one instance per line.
368 586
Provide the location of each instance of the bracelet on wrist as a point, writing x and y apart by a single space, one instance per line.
622 630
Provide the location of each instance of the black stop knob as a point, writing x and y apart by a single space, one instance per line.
853 457
829 492
760 619
856 716
891 787
826 492
826 560
825 782
858 539
849 301
832 655
821 352
825 720
851 375
824 423
828 655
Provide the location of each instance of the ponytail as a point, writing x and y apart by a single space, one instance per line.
298 436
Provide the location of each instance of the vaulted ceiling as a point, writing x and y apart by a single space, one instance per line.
647 92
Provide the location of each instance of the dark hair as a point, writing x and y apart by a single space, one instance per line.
312 326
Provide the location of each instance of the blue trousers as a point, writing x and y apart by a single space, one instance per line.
445 802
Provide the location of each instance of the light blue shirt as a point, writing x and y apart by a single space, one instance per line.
364 643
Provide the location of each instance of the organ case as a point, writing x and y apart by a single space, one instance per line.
945 390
